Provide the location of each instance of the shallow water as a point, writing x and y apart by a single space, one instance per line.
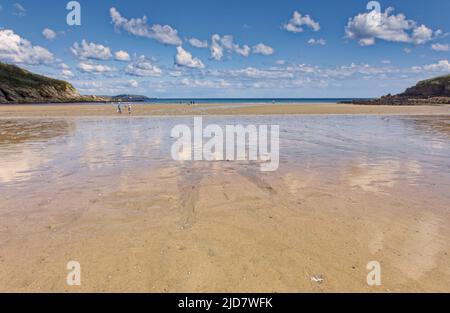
56 149
105 191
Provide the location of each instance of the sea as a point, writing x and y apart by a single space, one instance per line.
249 100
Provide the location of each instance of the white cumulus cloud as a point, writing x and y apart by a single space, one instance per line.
133 83
319 41
143 67
184 58
67 73
49 34
421 35
440 47
198 43
226 43
441 66
216 48
298 20
263 49
122 56
16 49
89 67
139 27
89 50
367 27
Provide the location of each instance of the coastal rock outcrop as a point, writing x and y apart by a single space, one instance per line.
18 85
431 91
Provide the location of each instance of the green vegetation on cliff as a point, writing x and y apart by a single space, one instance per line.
431 91
435 87
21 86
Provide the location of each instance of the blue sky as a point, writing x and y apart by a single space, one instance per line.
232 48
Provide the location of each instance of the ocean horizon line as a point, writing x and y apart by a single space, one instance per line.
250 100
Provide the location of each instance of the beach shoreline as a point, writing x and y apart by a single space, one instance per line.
103 110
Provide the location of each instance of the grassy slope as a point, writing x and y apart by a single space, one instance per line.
436 81
17 77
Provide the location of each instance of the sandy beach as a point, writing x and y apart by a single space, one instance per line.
105 193
75 110
205 148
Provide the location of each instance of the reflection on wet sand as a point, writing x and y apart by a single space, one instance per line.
18 161
21 130
382 176
344 195
433 124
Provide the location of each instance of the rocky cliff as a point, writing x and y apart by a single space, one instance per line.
21 86
436 87
431 91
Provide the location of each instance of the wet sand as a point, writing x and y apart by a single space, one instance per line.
103 192
75 110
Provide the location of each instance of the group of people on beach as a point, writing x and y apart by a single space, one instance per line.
192 102
127 106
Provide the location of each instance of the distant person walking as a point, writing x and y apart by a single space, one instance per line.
129 108
119 109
